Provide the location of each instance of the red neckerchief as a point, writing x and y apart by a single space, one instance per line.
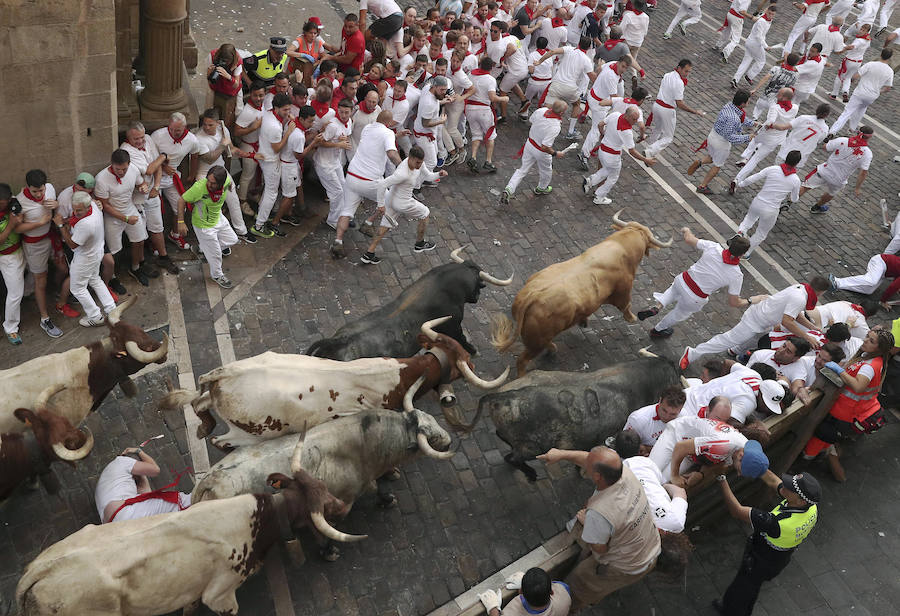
729 258
788 67
451 45
586 4
113 173
556 22
623 123
858 143
766 18
610 43
431 51
179 139
743 113
321 108
28 195
787 169
277 117
254 106
365 107
786 105
811 298
683 79
344 124
413 49
374 82
479 71
73 220
630 101
550 114
702 412
215 195
834 28
529 12
858 309
395 99
272 91
656 410
865 37
541 51
636 12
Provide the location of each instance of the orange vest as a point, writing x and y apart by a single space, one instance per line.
851 405
311 50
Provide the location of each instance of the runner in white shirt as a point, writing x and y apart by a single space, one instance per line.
875 78
115 185
12 262
397 102
246 127
123 479
177 143
663 117
216 138
635 23
755 49
554 29
667 502
365 113
480 116
717 268
730 32
282 85
617 137
540 76
578 14
83 233
784 359
608 83
770 137
538 150
811 10
853 315
866 17
828 35
430 121
851 64
364 174
321 102
809 71
847 155
742 386
396 192
830 351
573 65
781 181
807 131
650 421
329 156
274 132
506 50
455 126
689 9
839 11
884 17
292 156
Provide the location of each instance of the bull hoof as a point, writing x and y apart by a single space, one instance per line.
387 501
224 447
529 472
629 317
330 553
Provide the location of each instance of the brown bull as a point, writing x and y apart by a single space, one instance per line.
563 294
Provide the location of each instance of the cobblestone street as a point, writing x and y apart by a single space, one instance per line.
457 522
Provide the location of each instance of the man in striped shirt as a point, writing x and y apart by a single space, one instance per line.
730 123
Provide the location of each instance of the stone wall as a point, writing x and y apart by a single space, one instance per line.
57 87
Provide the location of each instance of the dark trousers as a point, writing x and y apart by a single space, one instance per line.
757 566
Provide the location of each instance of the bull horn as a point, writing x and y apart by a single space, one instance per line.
44 397
684 383
329 531
430 451
494 280
645 353
148 357
618 220
455 254
411 393
116 315
71 455
659 243
427 326
297 456
474 379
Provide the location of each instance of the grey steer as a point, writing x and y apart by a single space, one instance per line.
350 455
572 410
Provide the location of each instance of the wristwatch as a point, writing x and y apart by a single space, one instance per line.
720 478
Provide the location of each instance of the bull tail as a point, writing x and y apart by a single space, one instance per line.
504 332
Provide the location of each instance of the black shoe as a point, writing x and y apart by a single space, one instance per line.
370 258
291 220
248 238
646 314
491 167
149 270
352 224
423 246
226 252
276 230
138 275
117 286
472 164
167 264
732 187
661 333
337 251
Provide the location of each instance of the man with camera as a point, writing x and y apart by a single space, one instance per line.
12 262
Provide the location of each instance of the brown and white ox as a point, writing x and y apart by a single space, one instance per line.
87 373
274 394
51 438
563 294
162 563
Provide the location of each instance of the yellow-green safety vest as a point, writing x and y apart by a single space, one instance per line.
265 70
795 527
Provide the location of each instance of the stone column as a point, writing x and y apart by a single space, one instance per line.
188 46
162 36
124 99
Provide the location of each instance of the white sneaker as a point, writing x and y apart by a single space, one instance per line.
88 322
602 200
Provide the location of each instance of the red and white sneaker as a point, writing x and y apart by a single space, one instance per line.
67 311
685 362
178 240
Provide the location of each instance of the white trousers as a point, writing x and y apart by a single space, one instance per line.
248 173
355 190
692 13
886 11
332 180
84 273
598 114
532 156
535 89
865 283
271 171
730 36
803 23
801 97
662 130
853 112
151 208
894 244
213 240
12 267
753 61
233 203
612 166
762 213
755 152
170 194
841 8
429 146
763 103
842 82
454 116
686 303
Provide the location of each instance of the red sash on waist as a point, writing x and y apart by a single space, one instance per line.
609 150
162 494
12 248
532 142
664 104
469 101
430 136
843 68
693 286
725 23
490 131
358 176
594 96
541 78
254 145
34 240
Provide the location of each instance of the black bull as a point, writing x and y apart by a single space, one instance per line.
573 410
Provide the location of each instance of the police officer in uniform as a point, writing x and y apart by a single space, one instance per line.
776 534
265 64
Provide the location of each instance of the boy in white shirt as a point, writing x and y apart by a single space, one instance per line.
874 79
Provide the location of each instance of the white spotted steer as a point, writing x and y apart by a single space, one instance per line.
274 394
165 562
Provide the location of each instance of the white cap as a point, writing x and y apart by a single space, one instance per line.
772 394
